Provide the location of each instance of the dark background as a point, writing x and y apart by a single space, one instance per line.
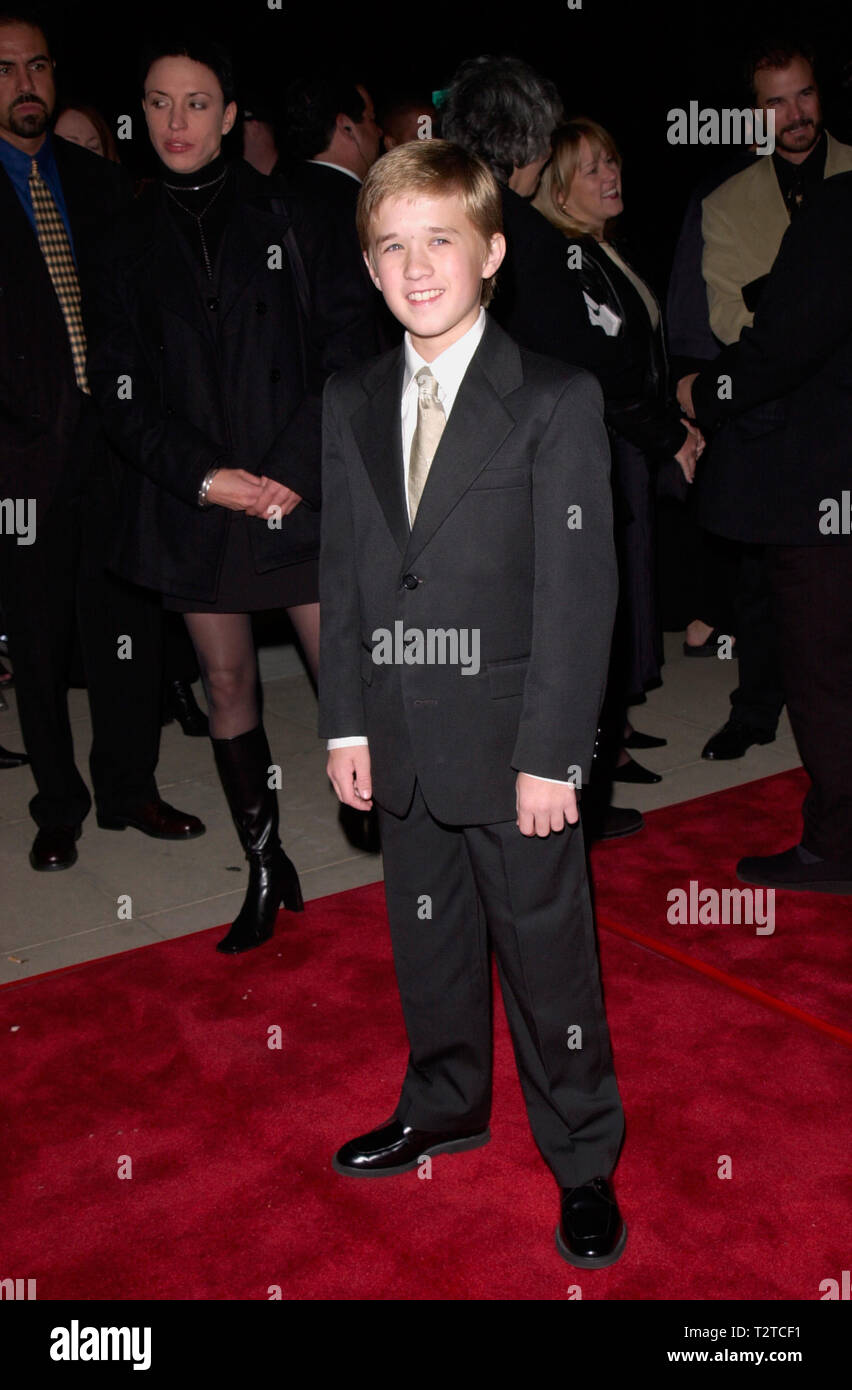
625 64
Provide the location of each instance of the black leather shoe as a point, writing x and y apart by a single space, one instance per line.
180 704
8 759
157 819
591 1233
639 740
55 848
732 741
634 772
617 823
789 870
396 1148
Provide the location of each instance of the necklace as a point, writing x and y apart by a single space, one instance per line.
197 216
195 187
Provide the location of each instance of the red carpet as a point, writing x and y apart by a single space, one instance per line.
161 1054
805 963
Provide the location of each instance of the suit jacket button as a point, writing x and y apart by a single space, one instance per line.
410 581
274 375
213 303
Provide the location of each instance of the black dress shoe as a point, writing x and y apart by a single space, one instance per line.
157 819
638 740
634 772
396 1148
733 740
615 824
591 1233
180 704
790 870
8 759
54 848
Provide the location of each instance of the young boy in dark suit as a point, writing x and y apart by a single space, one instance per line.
467 590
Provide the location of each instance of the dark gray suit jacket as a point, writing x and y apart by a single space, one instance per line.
491 549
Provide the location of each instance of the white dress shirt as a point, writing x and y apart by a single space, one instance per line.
339 167
448 368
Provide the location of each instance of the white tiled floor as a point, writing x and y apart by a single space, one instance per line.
51 920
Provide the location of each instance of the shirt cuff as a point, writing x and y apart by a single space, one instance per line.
358 741
555 781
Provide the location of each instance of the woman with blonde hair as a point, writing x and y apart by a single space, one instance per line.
580 193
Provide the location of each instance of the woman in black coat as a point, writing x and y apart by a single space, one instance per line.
580 193
203 366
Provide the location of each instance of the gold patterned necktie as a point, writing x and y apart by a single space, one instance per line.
56 249
427 436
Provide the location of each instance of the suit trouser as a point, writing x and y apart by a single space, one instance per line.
812 589
758 700
530 896
51 589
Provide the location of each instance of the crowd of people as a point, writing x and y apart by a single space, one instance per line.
165 360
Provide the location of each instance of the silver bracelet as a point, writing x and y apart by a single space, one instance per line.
205 487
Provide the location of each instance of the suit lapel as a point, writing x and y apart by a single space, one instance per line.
478 425
377 427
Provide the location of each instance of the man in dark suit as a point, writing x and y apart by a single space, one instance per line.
468 587
332 140
55 199
743 220
795 362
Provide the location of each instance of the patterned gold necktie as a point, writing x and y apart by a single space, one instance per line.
56 249
427 436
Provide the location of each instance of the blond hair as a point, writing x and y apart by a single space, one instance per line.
559 174
434 169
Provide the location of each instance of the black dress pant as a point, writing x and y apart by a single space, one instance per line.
50 589
758 700
812 591
449 891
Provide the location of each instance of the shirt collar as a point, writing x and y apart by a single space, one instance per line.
449 366
326 163
19 162
810 170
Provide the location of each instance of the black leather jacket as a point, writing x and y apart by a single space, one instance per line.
634 376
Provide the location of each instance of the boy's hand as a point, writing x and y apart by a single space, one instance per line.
543 806
349 772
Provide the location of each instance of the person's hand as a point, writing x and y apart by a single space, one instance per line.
349 773
684 395
690 451
544 806
234 488
273 494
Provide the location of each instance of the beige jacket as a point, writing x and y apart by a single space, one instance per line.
743 222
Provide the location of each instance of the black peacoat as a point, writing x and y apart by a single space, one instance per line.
186 380
781 397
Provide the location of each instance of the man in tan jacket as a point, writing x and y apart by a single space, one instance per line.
744 219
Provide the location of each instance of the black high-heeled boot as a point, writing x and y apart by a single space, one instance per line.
243 764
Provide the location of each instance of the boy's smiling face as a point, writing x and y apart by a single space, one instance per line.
429 261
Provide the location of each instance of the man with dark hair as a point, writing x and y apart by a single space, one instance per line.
405 118
332 140
55 199
743 222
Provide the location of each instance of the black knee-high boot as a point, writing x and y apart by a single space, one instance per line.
243 764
